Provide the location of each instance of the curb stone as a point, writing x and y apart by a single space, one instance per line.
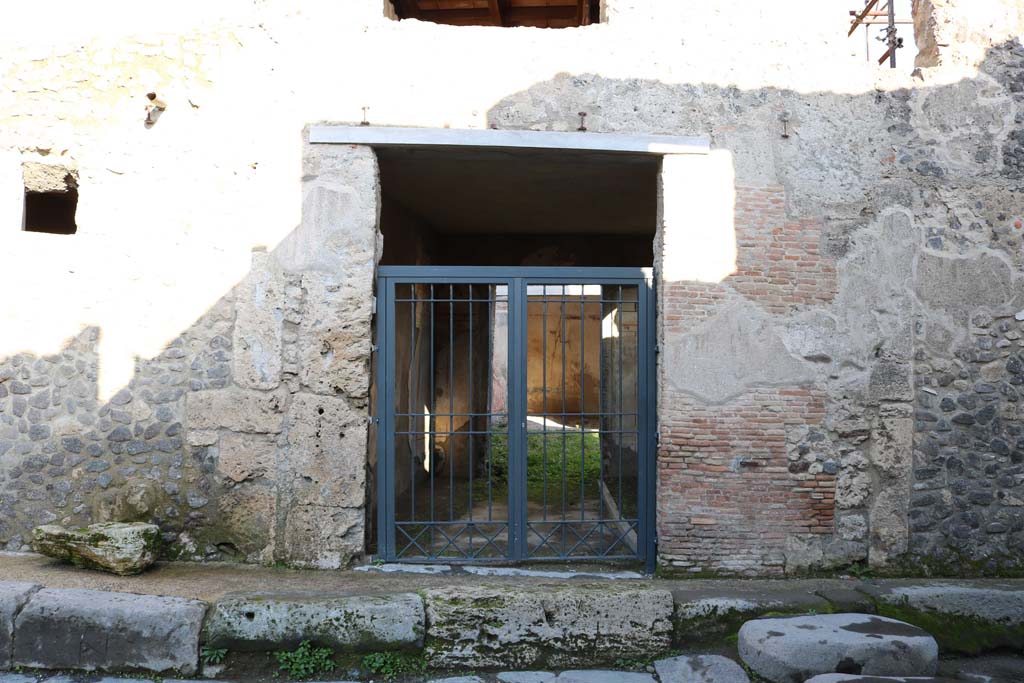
353 623
90 630
965 619
857 678
13 596
491 627
505 626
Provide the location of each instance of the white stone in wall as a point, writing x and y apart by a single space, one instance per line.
235 409
259 306
324 481
246 456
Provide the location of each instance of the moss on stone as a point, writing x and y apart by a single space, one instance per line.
958 566
957 633
721 624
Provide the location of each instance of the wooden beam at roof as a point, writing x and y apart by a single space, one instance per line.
409 9
496 14
512 16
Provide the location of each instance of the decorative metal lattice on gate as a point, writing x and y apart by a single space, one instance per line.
515 412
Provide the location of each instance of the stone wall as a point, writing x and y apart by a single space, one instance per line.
843 267
245 437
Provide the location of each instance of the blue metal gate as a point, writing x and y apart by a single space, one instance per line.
516 414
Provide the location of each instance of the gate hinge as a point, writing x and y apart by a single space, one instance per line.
373 305
374 348
373 419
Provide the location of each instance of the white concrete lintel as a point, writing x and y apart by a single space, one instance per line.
389 136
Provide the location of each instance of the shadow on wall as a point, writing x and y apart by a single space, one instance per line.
845 390
245 437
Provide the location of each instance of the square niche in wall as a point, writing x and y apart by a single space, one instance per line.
51 198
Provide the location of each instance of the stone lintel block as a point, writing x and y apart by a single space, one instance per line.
559 627
13 596
96 630
236 409
359 623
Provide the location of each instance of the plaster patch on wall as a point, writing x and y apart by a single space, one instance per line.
735 350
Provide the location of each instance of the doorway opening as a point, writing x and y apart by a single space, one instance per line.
516 414
515 333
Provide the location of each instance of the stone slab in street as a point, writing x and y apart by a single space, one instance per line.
793 649
602 676
1001 668
97 630
858 678
13 596
526 677
354 623
700 669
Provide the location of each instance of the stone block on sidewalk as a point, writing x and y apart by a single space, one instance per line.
115 547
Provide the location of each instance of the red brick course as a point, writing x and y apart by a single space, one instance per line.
727 500
778 262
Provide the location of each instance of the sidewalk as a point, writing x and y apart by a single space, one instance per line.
54 616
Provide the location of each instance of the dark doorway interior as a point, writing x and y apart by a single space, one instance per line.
501 208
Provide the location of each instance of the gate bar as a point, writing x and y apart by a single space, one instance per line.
518 281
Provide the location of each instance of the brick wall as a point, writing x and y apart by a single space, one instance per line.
727 498
778 261
731 491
